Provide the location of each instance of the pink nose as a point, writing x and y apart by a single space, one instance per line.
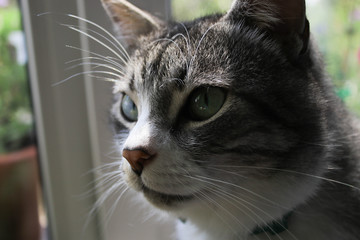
138 159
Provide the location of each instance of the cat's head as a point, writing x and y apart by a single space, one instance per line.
220 110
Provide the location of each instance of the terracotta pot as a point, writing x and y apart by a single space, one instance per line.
18 195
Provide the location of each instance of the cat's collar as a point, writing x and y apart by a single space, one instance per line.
183 220
275 227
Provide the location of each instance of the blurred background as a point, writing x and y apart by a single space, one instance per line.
19 184
334 23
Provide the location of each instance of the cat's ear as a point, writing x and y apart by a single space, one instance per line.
130 22
286 18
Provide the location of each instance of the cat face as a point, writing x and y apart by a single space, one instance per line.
221 110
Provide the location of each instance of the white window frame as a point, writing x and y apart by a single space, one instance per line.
71 123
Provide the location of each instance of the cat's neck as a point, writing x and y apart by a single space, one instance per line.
225 220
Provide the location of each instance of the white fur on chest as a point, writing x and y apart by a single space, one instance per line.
302 226
230 222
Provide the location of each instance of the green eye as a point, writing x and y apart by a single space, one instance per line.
129 109
205 102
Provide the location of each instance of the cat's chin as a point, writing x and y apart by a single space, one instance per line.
161 200
166 201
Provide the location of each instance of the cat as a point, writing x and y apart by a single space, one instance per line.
232 125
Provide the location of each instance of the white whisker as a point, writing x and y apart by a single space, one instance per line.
207 179
115 187
96 40
114 64
105 58
200 41
202 197
97 65
85 73
296 172
105 79
104 30
115 204
235 197
84 29
172 41
225 171
118 185
187 44
188 38
222 194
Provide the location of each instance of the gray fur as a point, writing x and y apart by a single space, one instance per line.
282 141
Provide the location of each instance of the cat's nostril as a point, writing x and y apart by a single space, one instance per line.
138 159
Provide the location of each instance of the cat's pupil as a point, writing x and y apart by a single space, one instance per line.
129 109
205 103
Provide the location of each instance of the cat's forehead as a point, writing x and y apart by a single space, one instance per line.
185 56
181 58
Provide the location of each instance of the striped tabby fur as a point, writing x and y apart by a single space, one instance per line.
281 143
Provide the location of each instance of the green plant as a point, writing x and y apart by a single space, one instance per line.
15 114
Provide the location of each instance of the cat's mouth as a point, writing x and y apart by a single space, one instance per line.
165 200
